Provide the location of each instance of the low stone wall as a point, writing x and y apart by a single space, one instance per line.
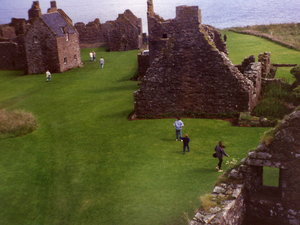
230 207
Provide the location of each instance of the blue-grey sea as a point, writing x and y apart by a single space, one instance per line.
219 13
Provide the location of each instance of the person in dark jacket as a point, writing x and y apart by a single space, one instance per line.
219 149
186 142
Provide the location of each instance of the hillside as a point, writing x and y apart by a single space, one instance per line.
287 34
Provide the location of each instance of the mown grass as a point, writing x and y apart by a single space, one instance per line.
87 164
242 45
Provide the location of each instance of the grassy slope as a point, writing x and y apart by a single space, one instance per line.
288 33
241 45
87 164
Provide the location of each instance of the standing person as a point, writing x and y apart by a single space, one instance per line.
48 76
225 37
91 56
178 124
219 149
186 142
101 62
94 56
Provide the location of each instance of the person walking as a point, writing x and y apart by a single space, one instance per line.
94 56
178 124
186 141
48 76
219 153
91 56
101 62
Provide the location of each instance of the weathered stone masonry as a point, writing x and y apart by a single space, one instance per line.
45 41
189 74
246 200
124 33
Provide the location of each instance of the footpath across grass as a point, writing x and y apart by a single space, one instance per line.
86 164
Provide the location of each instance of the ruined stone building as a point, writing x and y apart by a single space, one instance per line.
190 73
243 197
44 41
124 33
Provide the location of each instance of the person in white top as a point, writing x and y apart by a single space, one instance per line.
91 56
101 62
178 124
48 75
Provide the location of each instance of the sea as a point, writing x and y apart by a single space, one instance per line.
218 13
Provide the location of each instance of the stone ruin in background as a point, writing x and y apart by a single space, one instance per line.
44 41
189 71
122 34
242 198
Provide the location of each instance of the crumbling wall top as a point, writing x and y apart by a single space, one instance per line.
188 14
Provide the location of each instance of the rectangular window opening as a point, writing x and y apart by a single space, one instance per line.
271 176
65 60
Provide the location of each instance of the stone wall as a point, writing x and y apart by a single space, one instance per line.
7 32
91 33
256 203
124 33
68 52
188 74
8 54
265 60
41 55
143 65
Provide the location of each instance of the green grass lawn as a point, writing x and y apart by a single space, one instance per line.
86 164
242 45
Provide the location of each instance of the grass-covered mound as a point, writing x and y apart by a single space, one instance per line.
16 123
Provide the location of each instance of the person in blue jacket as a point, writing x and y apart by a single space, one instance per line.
186 141
219 149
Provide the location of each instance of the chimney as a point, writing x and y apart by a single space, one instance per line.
53 7
53 4
34 11
150 9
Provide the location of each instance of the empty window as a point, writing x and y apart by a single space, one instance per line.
75 57
271 176
65 60
165 36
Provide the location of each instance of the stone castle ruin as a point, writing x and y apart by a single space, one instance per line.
122 34
44 41
190 73
242 197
